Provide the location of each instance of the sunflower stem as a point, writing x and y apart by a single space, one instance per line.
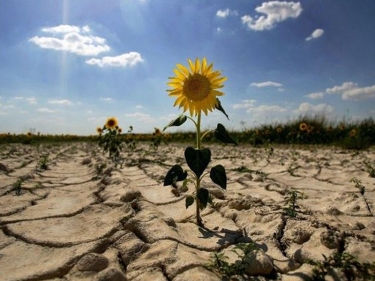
197 179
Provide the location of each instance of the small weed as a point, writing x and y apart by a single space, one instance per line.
24 164
347 263
17 186
370 169
291 200
293 167
244 169
43 162
358 184
219 261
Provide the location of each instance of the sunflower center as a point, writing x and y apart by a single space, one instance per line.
197 87
111 123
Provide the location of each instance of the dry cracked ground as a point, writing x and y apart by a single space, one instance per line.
73 221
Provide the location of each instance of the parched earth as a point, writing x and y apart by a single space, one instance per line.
73 221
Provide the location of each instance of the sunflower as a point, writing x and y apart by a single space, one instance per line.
157 131
119 130
303 126
196 89
111 123
99 130
352 133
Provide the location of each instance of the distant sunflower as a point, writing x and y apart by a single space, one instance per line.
303 126
310 129
157 131
99 130
119 130
196 89
352 133
279 130
111 123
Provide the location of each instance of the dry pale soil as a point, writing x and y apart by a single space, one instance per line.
71 222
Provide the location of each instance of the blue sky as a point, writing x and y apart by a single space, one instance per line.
65 66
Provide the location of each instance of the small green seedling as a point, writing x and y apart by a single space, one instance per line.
293 167
358 184
347 263
370 169
219 261
291 198
43 162
17 186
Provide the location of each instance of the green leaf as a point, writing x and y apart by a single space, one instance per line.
189 201
176 173
176 122
218 176
203 196
219 107
222 135
197 160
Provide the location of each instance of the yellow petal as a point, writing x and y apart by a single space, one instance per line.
217 93
197 65
174 84
179 74
192 67
183 69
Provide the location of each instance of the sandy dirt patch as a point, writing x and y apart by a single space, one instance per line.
71 223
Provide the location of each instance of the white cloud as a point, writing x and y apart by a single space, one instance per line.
274 12
32 100
315 96
60 102
46 110
63 28
359 93
140 116
245 104
266 109
139 106
266 84
225 13
250 107
307 108
106 99
316 34
72 40
340 89
124 60
351 91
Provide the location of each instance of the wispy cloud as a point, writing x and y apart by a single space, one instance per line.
316 34
124 60
315 96
46 110
307 108
72 39
250 106
266 84
245 104
351 91
60 102
273 12
225 13
141 116
346 86
30 100
106 99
